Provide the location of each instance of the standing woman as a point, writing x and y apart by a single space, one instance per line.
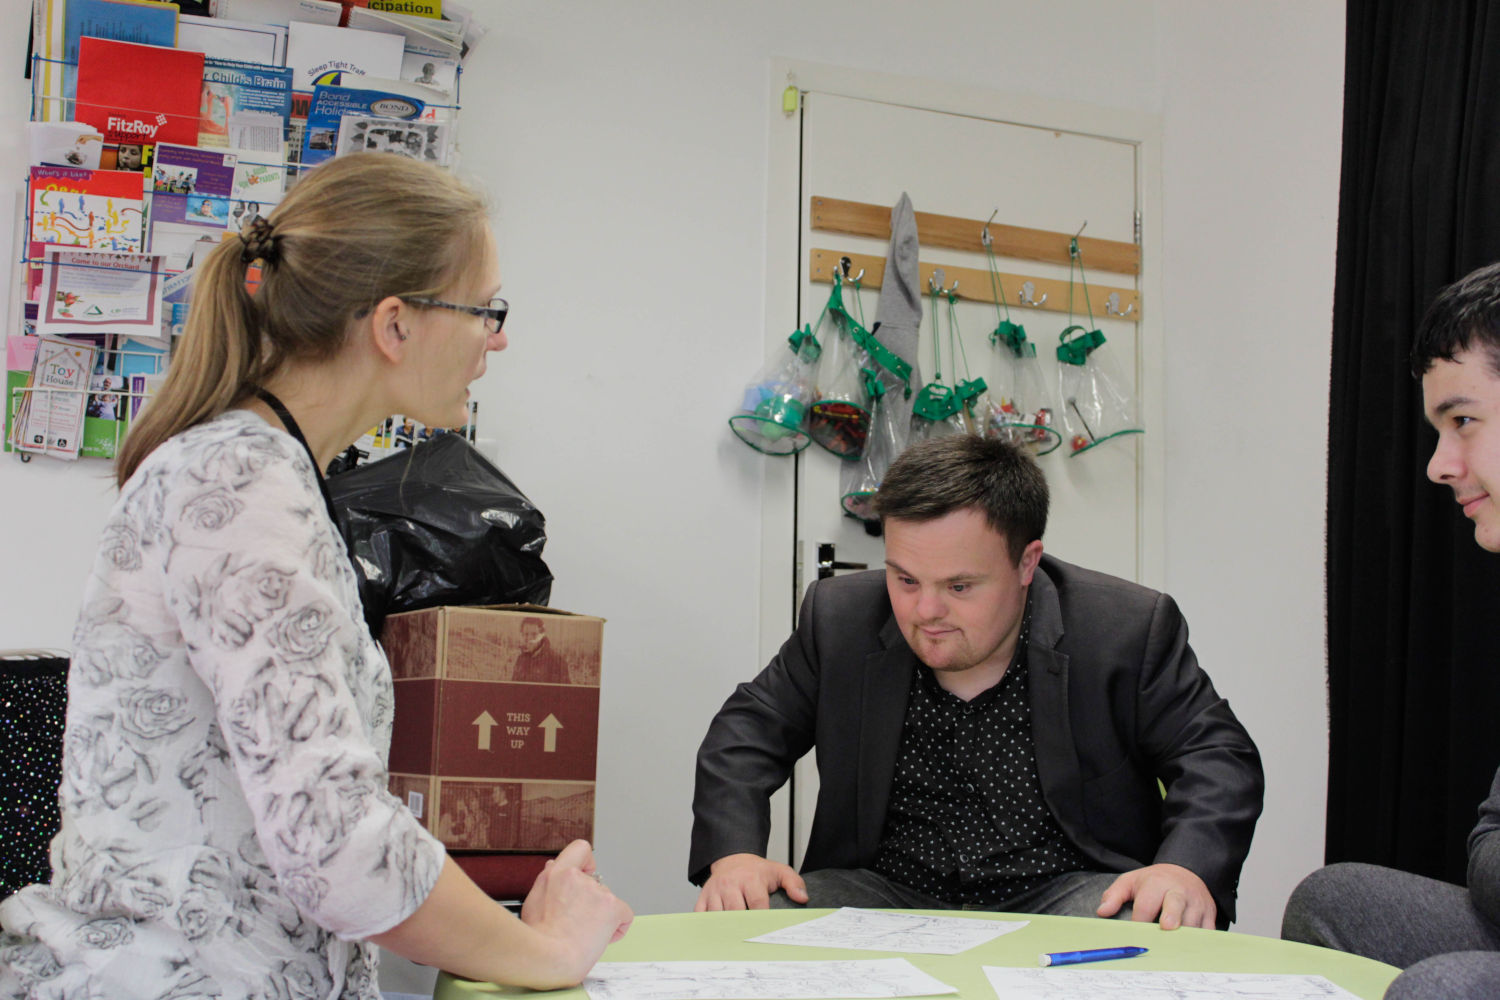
226 829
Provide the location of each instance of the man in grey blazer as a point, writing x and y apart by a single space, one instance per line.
1446 937
990 726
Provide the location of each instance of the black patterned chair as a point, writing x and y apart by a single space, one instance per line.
33 701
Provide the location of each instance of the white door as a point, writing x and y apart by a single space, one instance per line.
967 166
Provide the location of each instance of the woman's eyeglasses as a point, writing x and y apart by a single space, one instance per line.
493 314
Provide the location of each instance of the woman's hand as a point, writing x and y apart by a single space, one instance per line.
570 903
566 921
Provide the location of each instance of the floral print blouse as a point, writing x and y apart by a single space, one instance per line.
226 829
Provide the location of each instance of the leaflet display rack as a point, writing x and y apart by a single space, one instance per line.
118 359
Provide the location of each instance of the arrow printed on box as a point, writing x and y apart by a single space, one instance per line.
486 722
551 725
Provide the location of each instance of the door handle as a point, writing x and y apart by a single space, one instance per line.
828 565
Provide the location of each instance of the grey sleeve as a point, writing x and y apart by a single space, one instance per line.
1484 856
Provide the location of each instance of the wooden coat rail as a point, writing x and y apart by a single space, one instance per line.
854 218
974 285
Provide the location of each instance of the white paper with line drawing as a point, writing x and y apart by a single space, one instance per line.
873 930
884 977
1071 983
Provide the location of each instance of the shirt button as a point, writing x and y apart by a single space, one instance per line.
963 859
969 787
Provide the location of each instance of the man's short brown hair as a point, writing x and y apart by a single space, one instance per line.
1463 315
937 477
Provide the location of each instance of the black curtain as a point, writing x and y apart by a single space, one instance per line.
1413 603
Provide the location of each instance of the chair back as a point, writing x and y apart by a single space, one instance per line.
33 701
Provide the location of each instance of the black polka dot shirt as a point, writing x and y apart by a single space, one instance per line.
967 823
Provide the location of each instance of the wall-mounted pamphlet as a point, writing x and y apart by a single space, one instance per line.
20 355
176 297
138 357
139 93
177 242
281 12
318 54
94 209
413 8
387 99
258 180
191 186
50 420
64 144
424 36
117 293
220 38
245 100
430 71
106 416
417 140
142 388
143 21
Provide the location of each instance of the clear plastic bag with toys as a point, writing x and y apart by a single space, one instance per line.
889 436
1096 408
840 418
772 417
1018 408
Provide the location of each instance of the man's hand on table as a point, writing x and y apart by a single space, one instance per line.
746 881
1168 891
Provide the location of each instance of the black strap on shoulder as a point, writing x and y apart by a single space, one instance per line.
279 408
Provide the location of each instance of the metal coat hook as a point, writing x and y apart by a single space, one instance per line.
984 234
1024 296
935 283
1073 252
1112 305
845 263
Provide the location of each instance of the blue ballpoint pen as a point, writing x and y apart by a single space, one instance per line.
1089 955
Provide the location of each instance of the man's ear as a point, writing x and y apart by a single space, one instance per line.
1030 557
387 327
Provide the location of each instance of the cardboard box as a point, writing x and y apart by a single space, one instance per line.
496 732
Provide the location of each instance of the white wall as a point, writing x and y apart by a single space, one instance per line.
625 146
1252 97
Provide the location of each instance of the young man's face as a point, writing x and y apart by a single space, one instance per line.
1462 400
956 592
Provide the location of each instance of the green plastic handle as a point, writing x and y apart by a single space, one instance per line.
968 391
1074 349
936 402
810 339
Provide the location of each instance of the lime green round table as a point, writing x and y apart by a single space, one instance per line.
682 937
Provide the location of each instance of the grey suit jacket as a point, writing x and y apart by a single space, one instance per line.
1117 701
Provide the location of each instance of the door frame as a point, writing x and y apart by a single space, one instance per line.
781 552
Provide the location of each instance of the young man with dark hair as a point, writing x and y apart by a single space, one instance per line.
990 726
1446 937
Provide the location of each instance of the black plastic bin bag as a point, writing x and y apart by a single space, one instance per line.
438 524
